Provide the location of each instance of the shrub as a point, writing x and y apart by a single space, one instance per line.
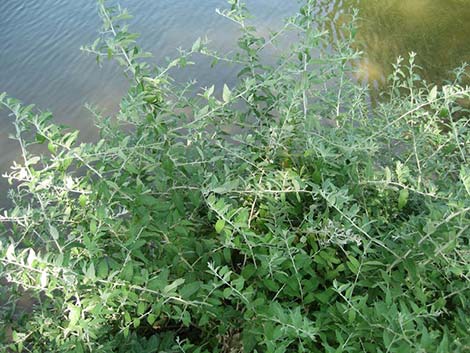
286 213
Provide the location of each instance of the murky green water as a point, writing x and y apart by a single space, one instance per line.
40 61
437 30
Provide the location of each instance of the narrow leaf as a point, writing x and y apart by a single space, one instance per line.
227 94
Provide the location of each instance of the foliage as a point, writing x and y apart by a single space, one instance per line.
283 214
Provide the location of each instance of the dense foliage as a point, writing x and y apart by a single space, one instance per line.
287 213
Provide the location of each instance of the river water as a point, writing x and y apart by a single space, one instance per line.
40 60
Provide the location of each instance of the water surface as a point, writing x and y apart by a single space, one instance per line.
40 61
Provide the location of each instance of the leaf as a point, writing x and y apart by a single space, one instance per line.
69 139
172 286
465 178
179 203
103 268
227 292
31 257
248 271
197 45
387 338
128 272
271 285
296 185
189 289
141 307
54 232
90 272
353 264
249 340
33 161
403 198
10 253
51 148
227 94
432 94
186 318
136 322
93 226
74 315
127 317
210 91
444 345
227 187
388 175
219 226
148 200
159 282
43 279
151 318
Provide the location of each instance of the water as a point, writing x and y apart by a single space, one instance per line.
40 61
437 30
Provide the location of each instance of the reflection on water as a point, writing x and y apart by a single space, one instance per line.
438 31
40 60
